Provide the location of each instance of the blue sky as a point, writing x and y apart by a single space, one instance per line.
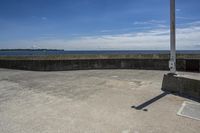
97 24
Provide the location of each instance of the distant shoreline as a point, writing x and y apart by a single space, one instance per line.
31 50
60 52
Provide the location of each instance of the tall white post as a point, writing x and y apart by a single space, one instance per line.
172 62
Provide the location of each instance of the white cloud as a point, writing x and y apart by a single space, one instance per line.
157 39
44 18
105 31
149 22
184 18
155 23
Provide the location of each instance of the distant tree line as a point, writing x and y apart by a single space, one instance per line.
31 49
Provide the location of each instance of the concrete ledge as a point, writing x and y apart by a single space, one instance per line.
183 85
83 64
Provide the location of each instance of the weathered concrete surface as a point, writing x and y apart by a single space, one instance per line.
85 64
94 101
182 84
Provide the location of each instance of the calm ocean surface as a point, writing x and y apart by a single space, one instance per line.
62 52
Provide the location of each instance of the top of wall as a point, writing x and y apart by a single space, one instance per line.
98 56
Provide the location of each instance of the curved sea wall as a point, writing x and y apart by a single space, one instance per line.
84 64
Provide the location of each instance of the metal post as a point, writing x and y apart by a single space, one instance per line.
172 62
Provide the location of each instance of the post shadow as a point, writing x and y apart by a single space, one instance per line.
151 101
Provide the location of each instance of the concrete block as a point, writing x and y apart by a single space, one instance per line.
182 84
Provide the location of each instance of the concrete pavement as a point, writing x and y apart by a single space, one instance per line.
88 101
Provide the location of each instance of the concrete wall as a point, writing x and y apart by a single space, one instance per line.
61 65
182 85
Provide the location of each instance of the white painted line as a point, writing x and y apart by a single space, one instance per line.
182 107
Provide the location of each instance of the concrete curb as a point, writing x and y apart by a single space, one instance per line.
182 85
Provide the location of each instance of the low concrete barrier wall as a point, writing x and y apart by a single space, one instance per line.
81 64
182 85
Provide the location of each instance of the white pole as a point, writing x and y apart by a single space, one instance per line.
172 62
